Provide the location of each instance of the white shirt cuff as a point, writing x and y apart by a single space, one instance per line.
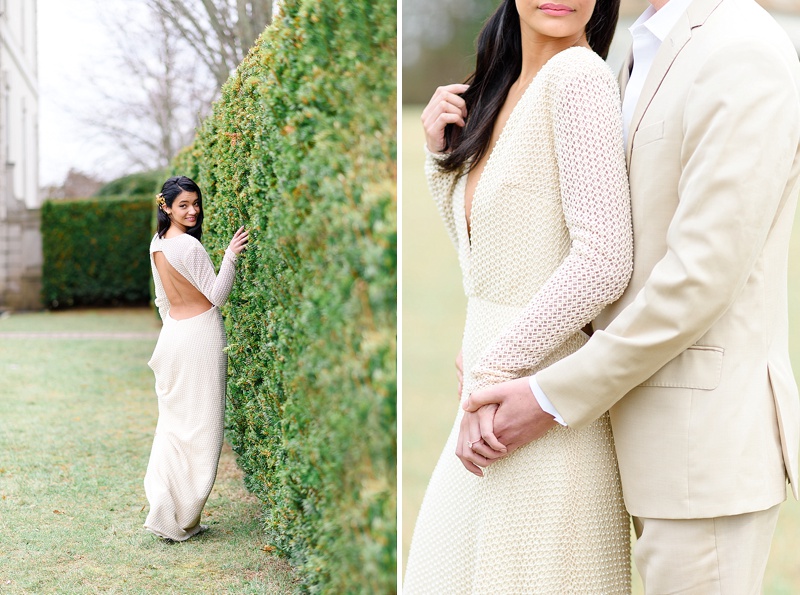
543 401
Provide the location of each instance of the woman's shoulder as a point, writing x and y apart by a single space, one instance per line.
182 243
579 74
155 244
578 63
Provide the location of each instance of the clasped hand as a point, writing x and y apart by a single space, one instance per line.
497 421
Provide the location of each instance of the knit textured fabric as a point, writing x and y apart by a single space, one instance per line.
190 367
550 244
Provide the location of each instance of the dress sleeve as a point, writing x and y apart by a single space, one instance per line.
162 303
201 272
595 197
441 185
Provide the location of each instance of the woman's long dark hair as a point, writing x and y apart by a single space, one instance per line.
169 192
498 65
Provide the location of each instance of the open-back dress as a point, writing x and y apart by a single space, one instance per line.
190 367
549 244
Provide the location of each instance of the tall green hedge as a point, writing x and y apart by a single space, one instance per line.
146 182
95 251
301 149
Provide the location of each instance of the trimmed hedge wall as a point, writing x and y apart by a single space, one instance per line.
147 182
95 251
301 148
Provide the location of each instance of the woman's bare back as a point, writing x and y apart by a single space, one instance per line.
184 298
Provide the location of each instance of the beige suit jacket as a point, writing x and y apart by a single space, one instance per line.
693 360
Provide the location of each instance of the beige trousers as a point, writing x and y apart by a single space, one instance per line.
723 555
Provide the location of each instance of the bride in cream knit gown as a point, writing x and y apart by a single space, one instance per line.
546 244
189 363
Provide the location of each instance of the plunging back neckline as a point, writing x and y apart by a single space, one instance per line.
178 270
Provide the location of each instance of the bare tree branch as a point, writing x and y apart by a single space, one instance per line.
197 35
220 31
173 57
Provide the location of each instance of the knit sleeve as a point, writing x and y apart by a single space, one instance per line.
162 303
595 198
441 185
215 287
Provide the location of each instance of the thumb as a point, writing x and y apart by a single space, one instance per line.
479 398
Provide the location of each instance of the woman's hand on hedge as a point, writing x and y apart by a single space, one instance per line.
445 107
239 241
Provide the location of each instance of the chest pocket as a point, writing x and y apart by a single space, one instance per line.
648 134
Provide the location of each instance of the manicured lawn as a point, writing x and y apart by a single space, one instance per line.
76 425
433 316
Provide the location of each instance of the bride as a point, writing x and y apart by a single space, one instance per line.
189 362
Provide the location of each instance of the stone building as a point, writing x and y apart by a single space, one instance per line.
20 239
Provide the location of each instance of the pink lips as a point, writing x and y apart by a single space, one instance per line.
556 10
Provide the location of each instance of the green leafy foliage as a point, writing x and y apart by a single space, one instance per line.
95 251
301 149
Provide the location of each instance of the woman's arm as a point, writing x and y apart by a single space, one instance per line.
445 107
441 185
215 287
596 203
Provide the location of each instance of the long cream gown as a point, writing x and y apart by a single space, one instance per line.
550 245
190 367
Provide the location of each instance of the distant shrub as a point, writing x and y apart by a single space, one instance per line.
148 182
301 149
95 251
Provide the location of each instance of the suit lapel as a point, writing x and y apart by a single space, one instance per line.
677 39
625 73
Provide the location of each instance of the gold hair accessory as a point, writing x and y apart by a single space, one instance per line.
160 199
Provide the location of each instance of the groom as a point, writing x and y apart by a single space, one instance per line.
693 359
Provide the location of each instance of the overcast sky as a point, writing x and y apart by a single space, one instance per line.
73 44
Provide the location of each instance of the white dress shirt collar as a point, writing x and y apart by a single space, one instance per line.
660 22
648 32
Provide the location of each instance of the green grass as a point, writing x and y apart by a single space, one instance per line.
76 426
116 320
433 318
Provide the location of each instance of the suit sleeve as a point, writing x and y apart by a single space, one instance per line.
740 136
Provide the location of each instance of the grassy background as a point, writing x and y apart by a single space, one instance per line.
433 317
77 421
